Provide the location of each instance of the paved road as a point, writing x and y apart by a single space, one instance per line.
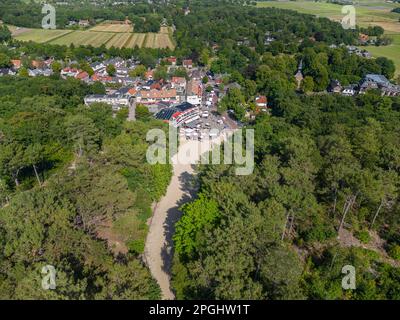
182 188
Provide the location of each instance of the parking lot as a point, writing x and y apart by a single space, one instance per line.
210 124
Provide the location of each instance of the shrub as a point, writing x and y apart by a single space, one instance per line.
394 251
136 246
363 236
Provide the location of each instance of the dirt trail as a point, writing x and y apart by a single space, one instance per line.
182 188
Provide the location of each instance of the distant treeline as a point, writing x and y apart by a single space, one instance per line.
30 15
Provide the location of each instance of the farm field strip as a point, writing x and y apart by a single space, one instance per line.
138 40
98 36
84 38
41 35
118 28
118 40
164 41
151 40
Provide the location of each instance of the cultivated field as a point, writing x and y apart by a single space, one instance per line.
137 39
107 27
151 40
112 35
40 35
119 40
94 39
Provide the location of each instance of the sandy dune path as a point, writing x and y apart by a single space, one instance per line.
159 246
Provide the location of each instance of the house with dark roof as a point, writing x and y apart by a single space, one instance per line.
335 86
379 81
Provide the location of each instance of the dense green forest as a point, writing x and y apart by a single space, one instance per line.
321 162
75 192
320 159
324 193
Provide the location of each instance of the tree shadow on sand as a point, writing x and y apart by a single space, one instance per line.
189 185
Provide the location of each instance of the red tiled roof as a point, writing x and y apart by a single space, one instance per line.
132 91
97 77
16 63
195 87
70 70
82 75
178 80
261 99
37 63
156 85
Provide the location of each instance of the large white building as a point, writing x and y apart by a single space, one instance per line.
179 115
116 100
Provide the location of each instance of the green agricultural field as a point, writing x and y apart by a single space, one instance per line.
367 13
95 39
41 35
137 39
119 40
392 52
151 40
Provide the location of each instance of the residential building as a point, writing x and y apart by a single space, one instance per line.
7 72
38 64
83 76
154 96
115 100
149 74
378 81
194 92
261 101
84 23
172 61
188 63
335 86
40 72
349 90
69 72
178 83
17 64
